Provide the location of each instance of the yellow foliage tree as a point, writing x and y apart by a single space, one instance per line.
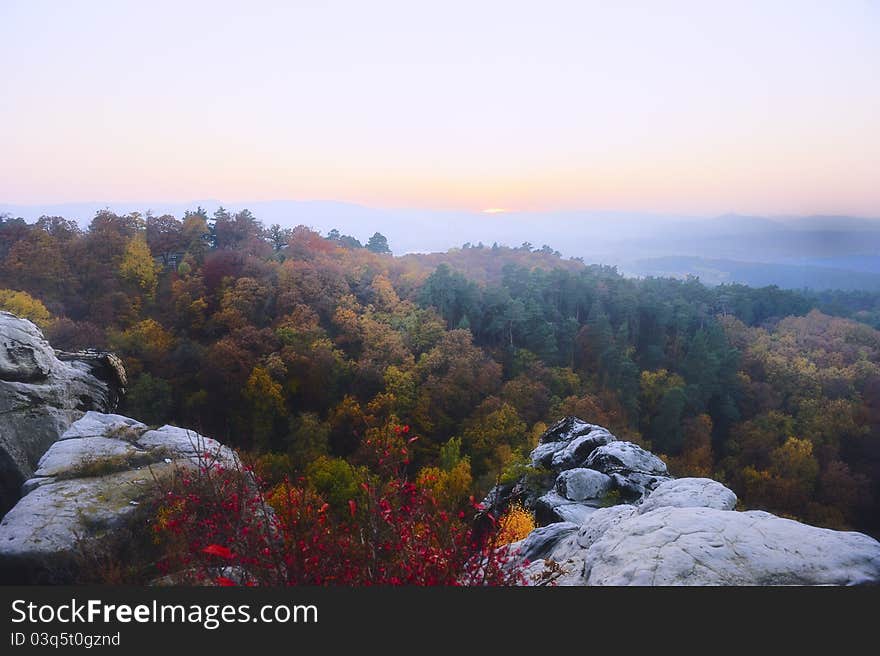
146 341
385 298
25 306
449 488
696 457
652 387
515 524
147 336
493 438
265 401
138 266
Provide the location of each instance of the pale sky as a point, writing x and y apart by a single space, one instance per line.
699 107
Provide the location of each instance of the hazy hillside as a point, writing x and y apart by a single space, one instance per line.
639 243
757 274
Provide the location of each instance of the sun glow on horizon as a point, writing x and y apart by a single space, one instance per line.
495 210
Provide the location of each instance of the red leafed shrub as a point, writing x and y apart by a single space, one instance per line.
217 526
218 550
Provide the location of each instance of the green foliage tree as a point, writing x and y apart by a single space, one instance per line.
150 399
378 243
308 439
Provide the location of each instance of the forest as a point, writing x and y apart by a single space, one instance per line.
299 349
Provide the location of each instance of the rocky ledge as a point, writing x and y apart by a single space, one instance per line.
614 516
88 484
41 394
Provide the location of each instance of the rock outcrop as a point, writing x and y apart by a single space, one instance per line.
41 395
577 468
89 483
667 531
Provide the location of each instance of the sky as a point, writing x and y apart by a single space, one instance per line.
699 108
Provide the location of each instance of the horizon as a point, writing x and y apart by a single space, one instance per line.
767 109
808 251
150 205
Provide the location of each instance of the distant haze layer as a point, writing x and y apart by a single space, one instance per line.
818 252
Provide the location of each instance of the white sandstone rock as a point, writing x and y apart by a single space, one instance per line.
560 437
581 483
625 457
185 443
675 531
68 455
690 493
91 482
40 396
99 424
25 355
706 546
600 521
575 452
555 507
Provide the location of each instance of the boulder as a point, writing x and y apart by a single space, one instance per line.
99 424
575 452
556 556
40 396
541 542
600 521
89 483
25 355
568 442
64 456
672 532
576 464
690 493
553 507
707 546
625 458
566 429
633 471
581 484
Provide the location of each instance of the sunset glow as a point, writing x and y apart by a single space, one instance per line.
689 107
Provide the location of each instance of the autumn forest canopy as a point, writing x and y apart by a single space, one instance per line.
299 348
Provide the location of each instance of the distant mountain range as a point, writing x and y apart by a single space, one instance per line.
757 274
818 252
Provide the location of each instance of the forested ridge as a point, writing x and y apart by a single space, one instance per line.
298 348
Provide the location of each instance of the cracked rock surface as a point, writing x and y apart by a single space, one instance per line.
707 546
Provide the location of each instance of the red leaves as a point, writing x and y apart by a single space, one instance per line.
393 533
218 550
